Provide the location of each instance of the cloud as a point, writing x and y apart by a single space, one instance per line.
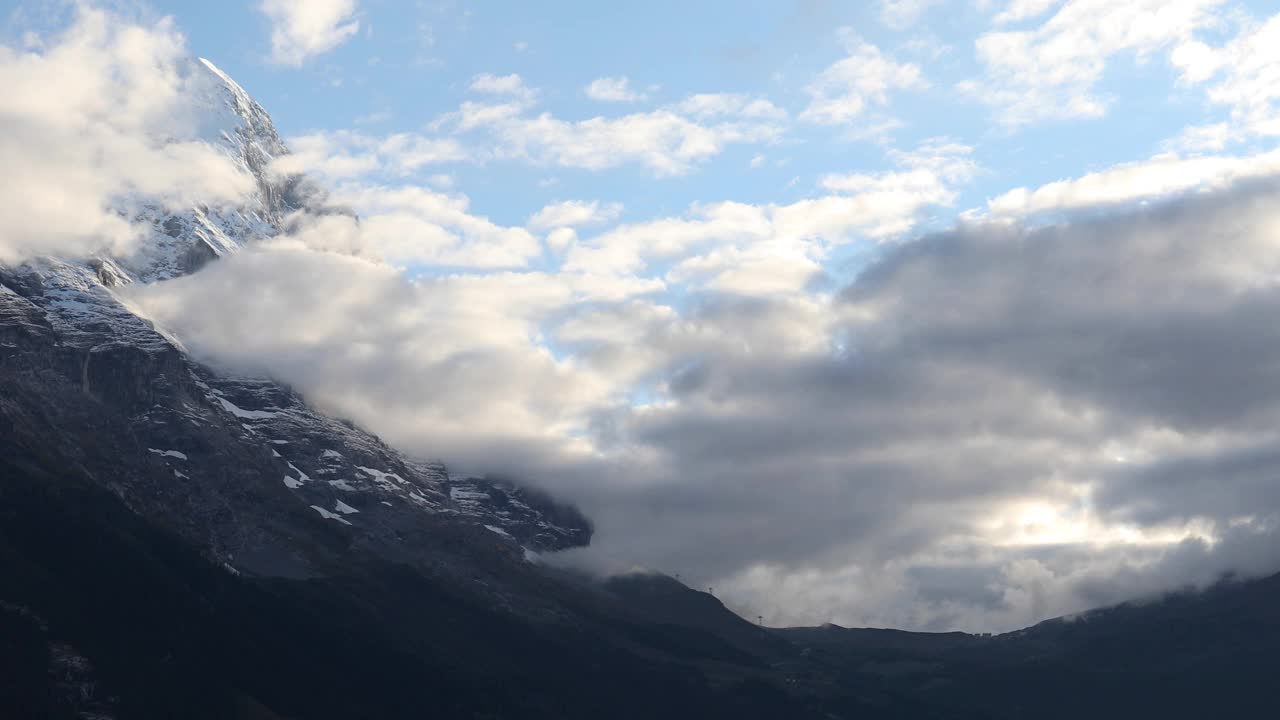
931 175
669 141
483 388
1213 137
573 213
1060 417
1242 76
613 89
1050 72
99 120
842 92
343 154
1020 10
874 206
902 14
302 29
705 106
512 85
410 225
479 382
1160 177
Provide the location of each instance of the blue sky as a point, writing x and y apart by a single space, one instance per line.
409 63
890 313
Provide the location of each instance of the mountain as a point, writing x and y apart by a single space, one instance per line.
87 379
1187 654
177 541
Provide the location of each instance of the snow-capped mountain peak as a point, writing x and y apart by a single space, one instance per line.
242 466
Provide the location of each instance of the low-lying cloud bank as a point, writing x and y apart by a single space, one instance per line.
988 426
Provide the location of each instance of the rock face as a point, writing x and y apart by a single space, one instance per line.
240 466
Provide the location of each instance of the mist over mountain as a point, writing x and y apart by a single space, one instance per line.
291 427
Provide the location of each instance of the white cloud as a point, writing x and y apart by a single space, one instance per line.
1201 138
1159 178
472 115
1243 76
704 106
97 120
1019 10
511 84
842 92
665 140
302 29
901 14
670 140
931 172
613 89
479 382
863 206
1050 72
561 238
415 226
752 270
574 213
345 153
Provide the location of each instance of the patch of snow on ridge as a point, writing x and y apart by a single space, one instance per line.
328 515
246 414
382 477
295 483
168 453
344 508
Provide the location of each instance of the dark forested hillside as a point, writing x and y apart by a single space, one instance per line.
169 634
105 615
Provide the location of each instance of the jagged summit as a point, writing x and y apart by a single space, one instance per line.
179 242
243 105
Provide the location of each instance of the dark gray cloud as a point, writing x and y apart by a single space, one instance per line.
1233 482
1161 314
991 425
1125 369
